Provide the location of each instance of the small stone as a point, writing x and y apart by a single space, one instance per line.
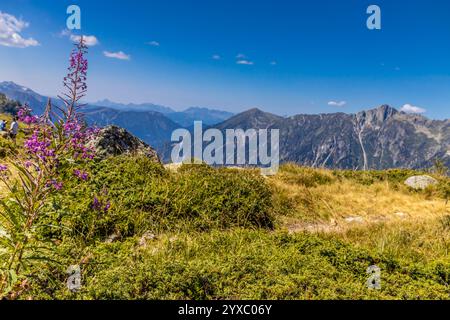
354 219
173 166
112 237
402 215
147 236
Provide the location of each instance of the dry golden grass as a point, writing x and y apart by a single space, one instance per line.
385 216
335 205
13 176
419 239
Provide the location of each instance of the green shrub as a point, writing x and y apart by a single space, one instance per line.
121 181
443 188
145 197
221 198
308 177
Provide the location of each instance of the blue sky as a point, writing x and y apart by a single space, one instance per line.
295 56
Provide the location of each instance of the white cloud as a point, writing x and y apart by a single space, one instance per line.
153 43
242 59
245 62
117 55
10 28
408 108
337 103
90 41
216 57
64 33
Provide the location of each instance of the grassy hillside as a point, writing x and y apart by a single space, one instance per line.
204 233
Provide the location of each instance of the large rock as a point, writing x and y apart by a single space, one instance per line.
420 182
113 141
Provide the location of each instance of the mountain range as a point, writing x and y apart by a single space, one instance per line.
150 122
378 138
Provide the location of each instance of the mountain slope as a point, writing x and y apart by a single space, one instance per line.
184 118
187 117
24 95
374 139
253 118
152 123
133 107
152 127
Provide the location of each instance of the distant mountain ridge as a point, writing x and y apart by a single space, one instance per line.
152 123
378 138
208 116
23 94
373 139
133 107
184 118
152 127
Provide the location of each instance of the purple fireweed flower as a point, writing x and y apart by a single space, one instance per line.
99 205
39 146
25 115
3 167
75 81
58 185
81 175
55 184
96 205
28 164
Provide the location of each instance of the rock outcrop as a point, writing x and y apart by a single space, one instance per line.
113 141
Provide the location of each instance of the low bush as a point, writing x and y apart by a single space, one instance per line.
308 177
142 196
221 198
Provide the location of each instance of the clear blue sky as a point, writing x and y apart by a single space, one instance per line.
300 55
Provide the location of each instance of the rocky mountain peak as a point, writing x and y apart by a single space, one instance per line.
252 118
385 111
376 116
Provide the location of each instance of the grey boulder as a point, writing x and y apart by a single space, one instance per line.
420 182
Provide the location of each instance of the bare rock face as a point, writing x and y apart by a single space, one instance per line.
113 141
420 182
